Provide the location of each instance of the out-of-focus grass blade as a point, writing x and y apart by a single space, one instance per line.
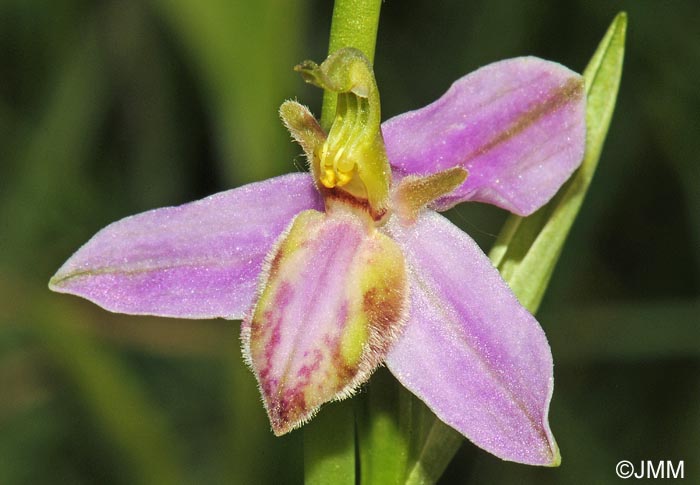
149 93
127 417
53 154
243 53
527 249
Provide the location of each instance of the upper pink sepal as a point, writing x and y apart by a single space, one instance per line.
331 304
469 350
517 126
197 260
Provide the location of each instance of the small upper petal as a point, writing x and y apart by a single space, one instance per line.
197 260
469 350
517 126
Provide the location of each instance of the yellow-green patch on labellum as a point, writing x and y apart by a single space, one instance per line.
338 271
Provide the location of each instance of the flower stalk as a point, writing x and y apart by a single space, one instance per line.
329 440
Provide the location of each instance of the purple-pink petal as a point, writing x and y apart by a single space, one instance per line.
197 260
517 126
469 350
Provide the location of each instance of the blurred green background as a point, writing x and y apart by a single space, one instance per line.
112 107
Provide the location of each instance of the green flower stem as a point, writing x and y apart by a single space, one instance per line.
329 439
329 446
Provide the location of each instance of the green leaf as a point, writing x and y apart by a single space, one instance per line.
433 446
527 249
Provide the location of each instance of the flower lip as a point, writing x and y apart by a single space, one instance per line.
319 330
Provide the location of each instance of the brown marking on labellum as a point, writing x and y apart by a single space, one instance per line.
267 328
306 371
288 406
276 261
287 410
256 326
344 372
385 305
337 194
343 312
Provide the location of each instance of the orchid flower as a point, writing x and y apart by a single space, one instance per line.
351 266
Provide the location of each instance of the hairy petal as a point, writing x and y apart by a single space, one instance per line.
197 260
469 350
331 305
517 126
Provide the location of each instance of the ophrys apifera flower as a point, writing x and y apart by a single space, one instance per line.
338 271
